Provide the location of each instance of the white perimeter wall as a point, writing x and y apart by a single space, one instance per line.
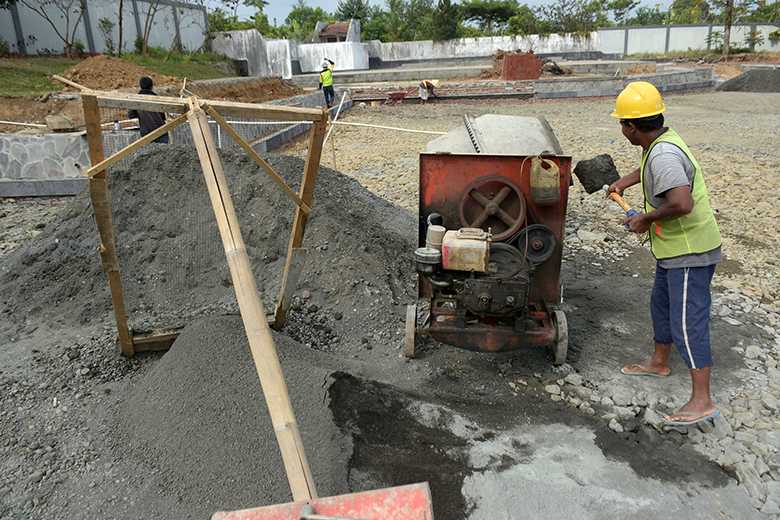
172 18
660 39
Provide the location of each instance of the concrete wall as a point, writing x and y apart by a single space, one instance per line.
479 47
346 55
670 38
33 35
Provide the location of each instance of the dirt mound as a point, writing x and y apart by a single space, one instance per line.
355 282
755 80
107 73
212 446
247 92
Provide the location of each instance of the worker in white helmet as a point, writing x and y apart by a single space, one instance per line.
326 82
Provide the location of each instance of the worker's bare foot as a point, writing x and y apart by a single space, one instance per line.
647 369
693 411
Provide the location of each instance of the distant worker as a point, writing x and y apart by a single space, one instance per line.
148 121
684 239
326 81
427 88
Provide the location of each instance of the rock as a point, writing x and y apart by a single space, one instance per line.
615 426
575 401
623 412
750 479
753 351
652 418
773 491
36 477
732 321
573 379
306 294
722 427
771 402
337 316
590 236
729 459
622 396
745 437
770 507
606 401
556 398
553 389
761 467
582 392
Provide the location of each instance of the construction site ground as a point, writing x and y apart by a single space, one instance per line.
85 433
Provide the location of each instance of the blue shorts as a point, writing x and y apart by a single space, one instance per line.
680 308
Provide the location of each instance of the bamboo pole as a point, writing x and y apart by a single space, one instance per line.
101 203
135 145
261 343
311 169
258 159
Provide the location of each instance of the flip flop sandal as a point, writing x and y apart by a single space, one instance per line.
642 371
709 418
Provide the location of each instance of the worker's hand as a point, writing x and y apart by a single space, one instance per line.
616 187
638 223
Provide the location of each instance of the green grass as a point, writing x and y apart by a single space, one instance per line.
191 66
689 55
30 76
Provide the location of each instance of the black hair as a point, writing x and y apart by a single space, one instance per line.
146 83
646 124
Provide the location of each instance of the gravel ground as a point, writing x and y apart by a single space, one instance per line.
736 144
579 431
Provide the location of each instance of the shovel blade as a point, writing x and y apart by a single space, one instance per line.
411 502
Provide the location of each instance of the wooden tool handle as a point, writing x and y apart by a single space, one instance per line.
620 201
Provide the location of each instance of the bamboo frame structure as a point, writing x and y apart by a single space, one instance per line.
261 344
92 102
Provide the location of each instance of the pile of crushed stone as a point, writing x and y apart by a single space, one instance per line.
355 283
754 80
107 73
199 422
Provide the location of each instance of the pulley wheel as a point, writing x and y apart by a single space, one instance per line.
505 261
494 203
537 242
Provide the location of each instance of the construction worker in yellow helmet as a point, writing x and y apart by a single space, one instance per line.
684 239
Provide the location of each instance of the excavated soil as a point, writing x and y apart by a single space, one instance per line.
247 92
756 80
106 73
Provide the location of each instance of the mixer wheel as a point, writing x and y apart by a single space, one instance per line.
496 203
538 242
410 330
561 345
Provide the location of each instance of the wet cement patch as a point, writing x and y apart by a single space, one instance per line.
539 460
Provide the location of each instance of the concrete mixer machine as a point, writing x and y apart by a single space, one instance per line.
492 210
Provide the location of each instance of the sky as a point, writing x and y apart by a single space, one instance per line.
280 8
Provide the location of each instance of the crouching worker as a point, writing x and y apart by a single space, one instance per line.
427 88
326 82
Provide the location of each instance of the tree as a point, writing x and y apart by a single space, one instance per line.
621 8
525 22
357 9
300 23
151 12
446 19
120 20
728 19
489 14
648 16
575 16
690 11
52 11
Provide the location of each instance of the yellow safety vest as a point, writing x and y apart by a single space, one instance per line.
694 233
326 78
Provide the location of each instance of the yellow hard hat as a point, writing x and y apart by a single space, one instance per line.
638 99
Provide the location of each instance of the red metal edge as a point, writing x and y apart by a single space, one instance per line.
410 502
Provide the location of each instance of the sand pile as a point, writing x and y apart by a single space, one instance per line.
199 420
356 281
107 73
755 80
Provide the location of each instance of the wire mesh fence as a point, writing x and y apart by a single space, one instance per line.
169 249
